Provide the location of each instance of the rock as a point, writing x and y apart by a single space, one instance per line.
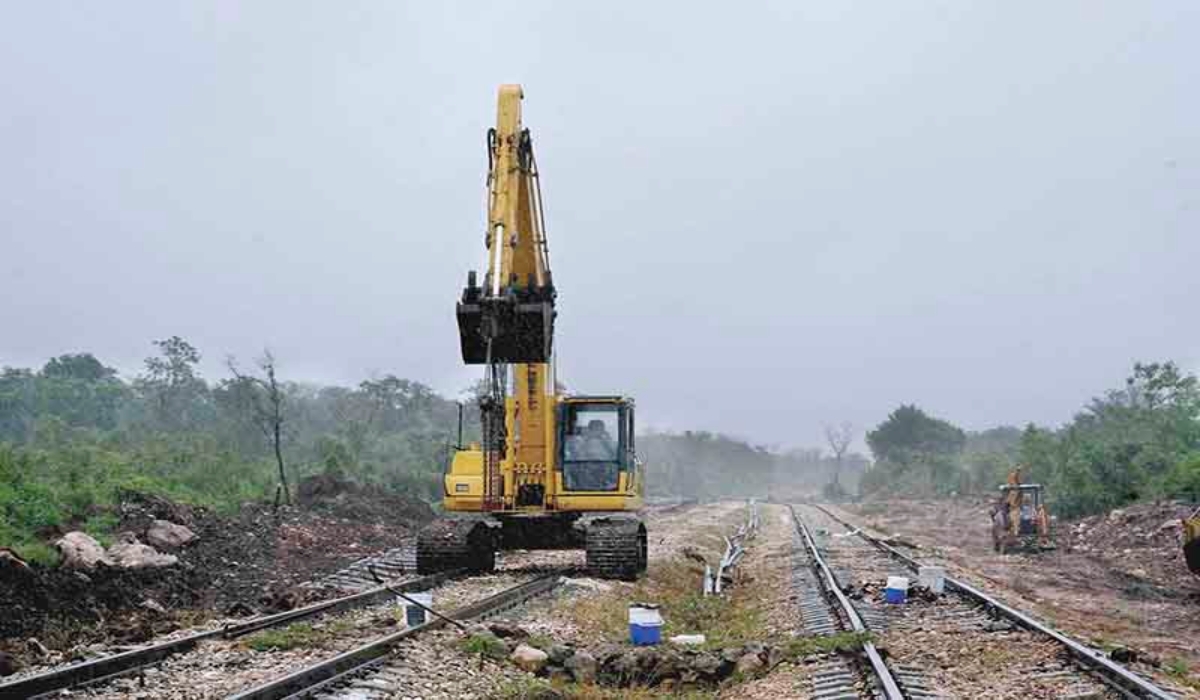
81 551
558 653
1140 573
708 665
36 648
507 630
558 674
582 666
8 664
1123 655
164 534
750 664
153 606
1172 524
529 659
135 555
1116 515
11 560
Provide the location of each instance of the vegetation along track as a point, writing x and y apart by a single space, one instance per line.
961 644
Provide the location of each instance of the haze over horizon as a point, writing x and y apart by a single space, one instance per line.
761 219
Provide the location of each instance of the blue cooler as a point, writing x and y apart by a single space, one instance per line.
645 624
896 592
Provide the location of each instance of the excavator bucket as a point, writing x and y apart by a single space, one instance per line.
520 331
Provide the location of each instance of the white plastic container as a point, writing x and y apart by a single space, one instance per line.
896 591
415 615
645 625
933 578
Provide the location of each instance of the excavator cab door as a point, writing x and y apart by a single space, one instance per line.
595 443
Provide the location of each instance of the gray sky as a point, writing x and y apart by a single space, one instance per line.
762 217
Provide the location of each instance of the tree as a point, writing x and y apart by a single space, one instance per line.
172 385
82 366
915 450
265 399
839 440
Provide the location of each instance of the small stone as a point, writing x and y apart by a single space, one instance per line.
153 606
507 630
36 648
528 658
558 653
750 664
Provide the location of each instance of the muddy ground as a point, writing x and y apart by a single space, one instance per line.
239 564
1115 580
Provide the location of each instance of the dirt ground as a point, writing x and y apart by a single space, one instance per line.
1115 580
244 563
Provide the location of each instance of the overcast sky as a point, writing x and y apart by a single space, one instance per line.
763 217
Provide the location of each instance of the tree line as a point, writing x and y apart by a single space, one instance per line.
1141 440
74 434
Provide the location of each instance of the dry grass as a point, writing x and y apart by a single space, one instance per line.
675 586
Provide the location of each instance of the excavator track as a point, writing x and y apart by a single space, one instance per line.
448 544
616 547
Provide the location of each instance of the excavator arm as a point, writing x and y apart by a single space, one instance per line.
509 318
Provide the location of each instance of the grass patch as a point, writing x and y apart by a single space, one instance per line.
299 634
38 553
801 647
484 644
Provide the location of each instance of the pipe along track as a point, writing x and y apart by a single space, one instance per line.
1115 676
332 675
97 671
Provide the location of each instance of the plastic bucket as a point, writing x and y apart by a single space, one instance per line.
896 592
933 578
415 615
645 625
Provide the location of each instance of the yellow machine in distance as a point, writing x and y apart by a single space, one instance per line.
552 470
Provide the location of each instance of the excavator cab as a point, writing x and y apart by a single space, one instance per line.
595 443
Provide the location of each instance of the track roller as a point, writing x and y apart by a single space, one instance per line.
449 544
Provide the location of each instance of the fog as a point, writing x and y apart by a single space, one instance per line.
762 219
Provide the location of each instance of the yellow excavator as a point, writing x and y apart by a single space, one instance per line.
552 471
1019 517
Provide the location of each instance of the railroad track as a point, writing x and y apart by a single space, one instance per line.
369 671
98 671
962 644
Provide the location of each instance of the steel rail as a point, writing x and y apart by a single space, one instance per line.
107 668
311 679
1124 679
891 689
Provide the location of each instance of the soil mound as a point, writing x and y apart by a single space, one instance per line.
246 562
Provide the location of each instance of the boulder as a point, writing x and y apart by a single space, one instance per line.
135 555
528 658
164 534
582 666
81 551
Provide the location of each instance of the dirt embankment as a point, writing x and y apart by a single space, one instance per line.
236 565
1116 579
